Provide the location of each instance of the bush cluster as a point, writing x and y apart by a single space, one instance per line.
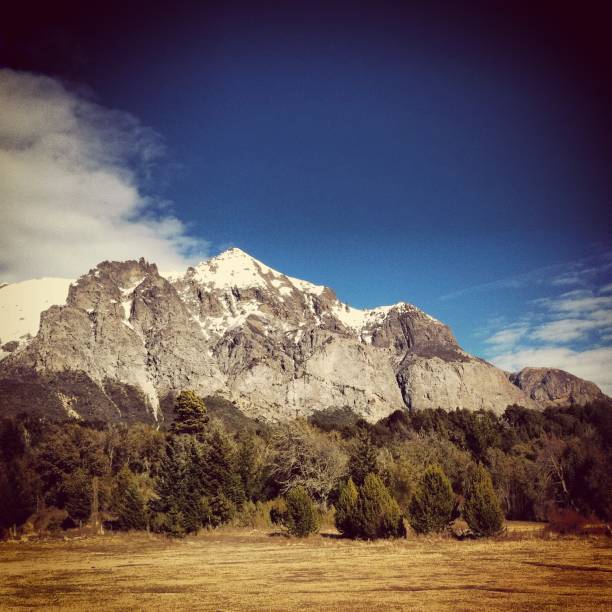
369 512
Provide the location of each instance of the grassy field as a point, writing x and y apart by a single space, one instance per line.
255 570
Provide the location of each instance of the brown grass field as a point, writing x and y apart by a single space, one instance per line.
242 569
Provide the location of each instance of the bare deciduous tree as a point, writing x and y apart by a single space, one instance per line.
304 456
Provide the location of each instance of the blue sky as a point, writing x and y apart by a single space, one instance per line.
455 159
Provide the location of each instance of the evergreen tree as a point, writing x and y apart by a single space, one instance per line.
190 415
363 460
481 509
248 467
431 506
76 494
301 517
221 477
129 503
377 514
345 508
178 506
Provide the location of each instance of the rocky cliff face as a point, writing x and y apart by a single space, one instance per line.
551 386
127 340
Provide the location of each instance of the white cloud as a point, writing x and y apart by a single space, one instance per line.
606 288
71 175
581 304
593 364
580 272
564 330
507 337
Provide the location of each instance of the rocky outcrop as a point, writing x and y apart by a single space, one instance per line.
125 332
127 340
551 386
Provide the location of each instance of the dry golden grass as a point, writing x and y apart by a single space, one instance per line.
242 569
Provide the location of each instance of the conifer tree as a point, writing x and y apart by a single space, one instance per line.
481 509
345 509
221 474
301 517
190 415
363 460
129 503
431 506
178 505
377 514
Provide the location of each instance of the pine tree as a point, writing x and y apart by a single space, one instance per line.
377 514
221 476
301 517
178 506
190 415
481 509
129 503
364 459
345 509
431 506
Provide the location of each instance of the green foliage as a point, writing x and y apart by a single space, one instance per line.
217 510
190 415
203 473
301 518
345 508
481 509
249 466
431 507
220 475
377 514
76 495
179 488
363 460
17 494
129 502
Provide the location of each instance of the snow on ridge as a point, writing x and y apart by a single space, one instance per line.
307 287
235 268
359 319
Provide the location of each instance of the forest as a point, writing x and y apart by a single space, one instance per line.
412 472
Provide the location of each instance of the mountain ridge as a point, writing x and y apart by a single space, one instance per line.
276 346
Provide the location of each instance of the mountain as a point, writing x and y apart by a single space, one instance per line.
552 386
125 340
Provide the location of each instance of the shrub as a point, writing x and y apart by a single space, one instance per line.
481 509
567 521
217 510
377 514
301 518
431 507
345 508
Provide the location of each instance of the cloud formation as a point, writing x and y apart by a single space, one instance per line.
579 273
570 331
591 364
71 185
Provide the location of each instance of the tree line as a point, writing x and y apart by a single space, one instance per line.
423 469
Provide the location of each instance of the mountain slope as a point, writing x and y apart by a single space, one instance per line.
127 340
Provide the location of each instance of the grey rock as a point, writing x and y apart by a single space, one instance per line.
556 387
128 340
